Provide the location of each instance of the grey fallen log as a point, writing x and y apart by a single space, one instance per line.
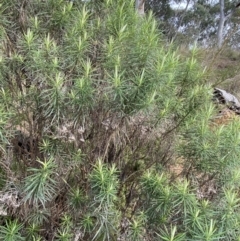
223 97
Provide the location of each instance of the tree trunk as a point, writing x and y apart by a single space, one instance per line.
139 5
221 24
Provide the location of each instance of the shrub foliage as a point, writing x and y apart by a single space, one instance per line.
106 131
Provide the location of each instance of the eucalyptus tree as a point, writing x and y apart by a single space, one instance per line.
202 21
227 11
139 5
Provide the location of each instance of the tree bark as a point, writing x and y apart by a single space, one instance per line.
139 6
221 24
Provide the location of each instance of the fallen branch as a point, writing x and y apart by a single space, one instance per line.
223 97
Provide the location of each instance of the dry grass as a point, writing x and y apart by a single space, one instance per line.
224 117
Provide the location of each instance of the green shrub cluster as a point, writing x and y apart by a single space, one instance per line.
96 111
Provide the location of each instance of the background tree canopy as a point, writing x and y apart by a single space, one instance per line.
197 21
108 131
